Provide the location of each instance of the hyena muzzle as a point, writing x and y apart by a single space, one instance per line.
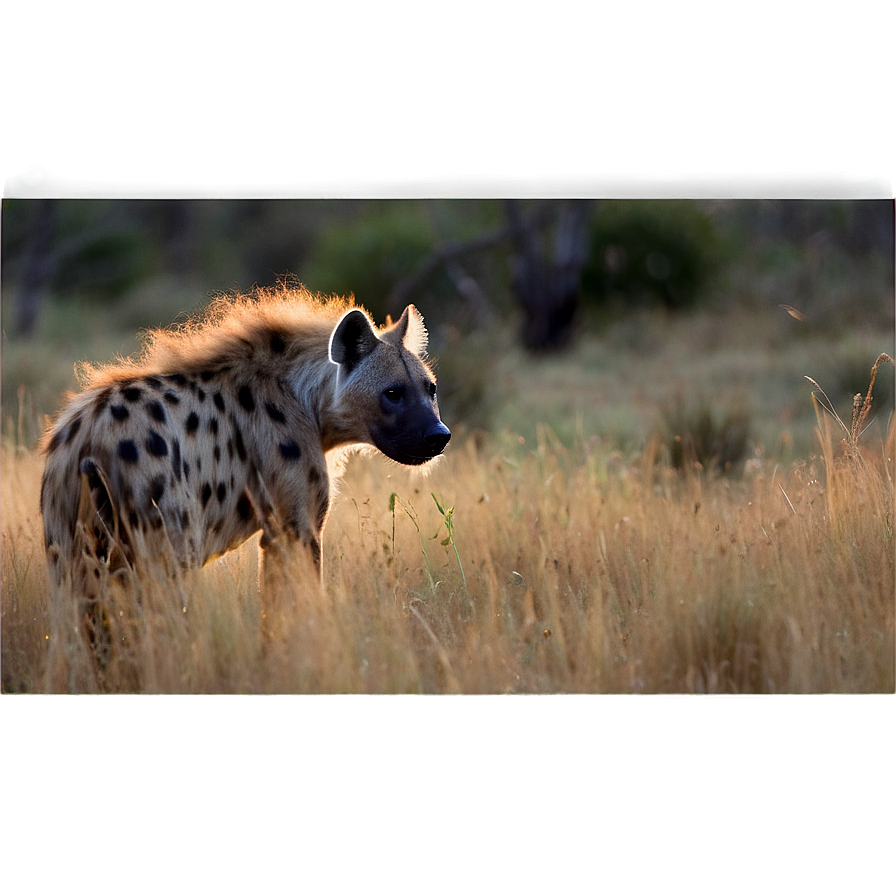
226 426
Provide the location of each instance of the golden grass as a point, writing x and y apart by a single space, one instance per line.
536 569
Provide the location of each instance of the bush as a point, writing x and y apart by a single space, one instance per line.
696 438
649 252
368 255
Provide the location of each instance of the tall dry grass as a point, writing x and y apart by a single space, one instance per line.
534 569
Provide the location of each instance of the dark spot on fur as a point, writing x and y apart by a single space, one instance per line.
244 507
206 375
275 413
56 440
219 401
132 393
102 398
314 476
217 452
186 471
73 428
277 342
171 398
90 469
205 494
200 394
156 445
221 492
175 459
177 378
184 519
240 445
245 398
156 411
127 451
192 423
153 382
199 464
290 450
213 426
157 488
119 412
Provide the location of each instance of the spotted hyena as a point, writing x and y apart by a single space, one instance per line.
224 426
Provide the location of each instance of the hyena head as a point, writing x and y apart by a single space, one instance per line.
386 386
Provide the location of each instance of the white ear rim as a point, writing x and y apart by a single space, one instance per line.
409 331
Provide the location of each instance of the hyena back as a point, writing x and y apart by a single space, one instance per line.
223 427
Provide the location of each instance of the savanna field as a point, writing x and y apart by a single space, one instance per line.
667 506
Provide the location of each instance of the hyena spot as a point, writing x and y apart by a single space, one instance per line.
132 394
56 440
119 412
244 507
290 451
245 398
156 445
240 445
73 430
192 423
127 451
275 413
176 462
278 342
156 411
157 488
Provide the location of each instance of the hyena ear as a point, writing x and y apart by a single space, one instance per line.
352 340
409 331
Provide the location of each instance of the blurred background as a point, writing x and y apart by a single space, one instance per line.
690 324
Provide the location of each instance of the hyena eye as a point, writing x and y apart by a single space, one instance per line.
394 394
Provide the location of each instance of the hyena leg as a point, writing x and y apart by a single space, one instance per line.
289 580
105 571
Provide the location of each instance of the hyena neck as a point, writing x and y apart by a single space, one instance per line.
317 391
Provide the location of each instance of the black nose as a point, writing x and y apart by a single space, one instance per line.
437 438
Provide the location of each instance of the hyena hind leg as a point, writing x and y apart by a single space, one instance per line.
104 565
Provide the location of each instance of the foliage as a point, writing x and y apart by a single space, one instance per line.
369 254
699 437
647 252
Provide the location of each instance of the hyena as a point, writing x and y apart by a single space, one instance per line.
224 426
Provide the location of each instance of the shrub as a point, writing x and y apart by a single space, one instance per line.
649 252
697 437
369 254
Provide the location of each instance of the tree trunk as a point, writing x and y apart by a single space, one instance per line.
547 286
38 267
